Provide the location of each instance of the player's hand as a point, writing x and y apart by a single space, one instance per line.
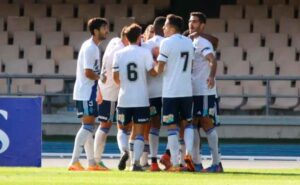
210 82
99 98
103 77
155 52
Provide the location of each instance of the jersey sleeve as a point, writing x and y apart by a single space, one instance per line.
90 59
164 51
205 48
115 66
148 61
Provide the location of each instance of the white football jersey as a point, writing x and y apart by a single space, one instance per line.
88 58
110 89
178 53
154 83
132 63
201 68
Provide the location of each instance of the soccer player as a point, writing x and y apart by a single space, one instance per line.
175 62
205 108
87 75
149 33
109 92
130 67
155 93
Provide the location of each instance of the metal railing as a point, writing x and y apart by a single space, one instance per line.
267 79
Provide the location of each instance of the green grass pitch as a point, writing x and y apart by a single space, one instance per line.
33 176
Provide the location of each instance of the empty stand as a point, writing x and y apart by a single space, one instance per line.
225 40
62 53
143 13
273 2
239 25
258 54
215 26
256 12
50 2
53 85
232 102
44 67
3 38
52 39
87 11
238 68
160 5
289 25
274 40
17 24
32 89
9 52
280 11
105 2
115 10
247 2
285 103
70 25
35 10
16 66
130 3
285 54
264 26
296 41
76 1
62 11
220 68
289 69
249 40
231 12
264 68
9 10
67 67
44 24
294 2
231 54
3 85
24 39
35 53
254 103
1 24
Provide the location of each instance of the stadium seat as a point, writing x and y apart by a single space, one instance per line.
52 39
238 68
3 38
296 41
115 10
67 67
62 11
17 24
285 54
231 12
225 39
35 53
254 103
294 2
44 24
130 3
159 4
285 103
253 12
9 10
247 2
16 66
143 13
35 10
273 2
280 11
264 68
238 25
215 26
77 38
62 53
274 40
17 82
44 67
1 24
106 41
264 26
77 2
24 39
70 25
87 11
3 85
249 40
53 85
232 102
50 2
289 25
231 54
22 2
9 52
289 69
258 54
32 89
220 68
120 22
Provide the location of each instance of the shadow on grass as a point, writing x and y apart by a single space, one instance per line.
259 173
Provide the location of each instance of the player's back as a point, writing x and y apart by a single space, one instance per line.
133 62
178 52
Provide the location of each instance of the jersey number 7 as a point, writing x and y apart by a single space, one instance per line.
185 55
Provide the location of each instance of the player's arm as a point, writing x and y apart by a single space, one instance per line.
115 67
90 74
162 57
212 39
213 70
160 67
116 77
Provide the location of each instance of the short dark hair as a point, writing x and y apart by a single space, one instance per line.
158 25
96 23
176 21
201 16
132 32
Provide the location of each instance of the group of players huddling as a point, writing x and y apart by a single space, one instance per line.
144 80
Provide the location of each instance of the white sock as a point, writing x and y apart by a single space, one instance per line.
189 138
173 145
144 158
89 150
80 139
212 139
131 149
122 138
196 149
138 147
99 144
153 141
182 151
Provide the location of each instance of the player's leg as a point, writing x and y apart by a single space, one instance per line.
182 148
144 158
155 122
186 116
86 111
209 121
106 113
170 118
124 117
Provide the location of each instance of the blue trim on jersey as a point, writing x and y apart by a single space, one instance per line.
164 55
94 91
207 48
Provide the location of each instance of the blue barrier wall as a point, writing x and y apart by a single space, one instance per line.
20 131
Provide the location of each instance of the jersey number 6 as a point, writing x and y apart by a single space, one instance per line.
131 72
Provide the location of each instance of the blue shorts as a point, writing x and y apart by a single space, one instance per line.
175 108
107 111
138 115
86 108
206 106
155 106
